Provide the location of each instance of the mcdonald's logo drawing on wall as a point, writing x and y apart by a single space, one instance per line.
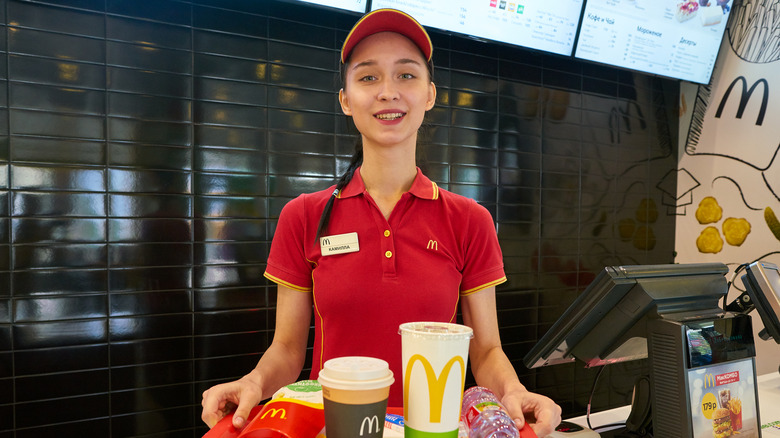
745 97
436 384
370 421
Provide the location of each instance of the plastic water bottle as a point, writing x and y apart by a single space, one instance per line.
485 416
463 432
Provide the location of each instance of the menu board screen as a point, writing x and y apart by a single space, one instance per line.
548 25
350 5
674 38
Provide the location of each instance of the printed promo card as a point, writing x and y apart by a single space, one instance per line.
723 400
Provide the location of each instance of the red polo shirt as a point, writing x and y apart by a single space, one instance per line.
435 247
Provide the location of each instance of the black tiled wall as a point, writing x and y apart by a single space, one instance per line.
147 147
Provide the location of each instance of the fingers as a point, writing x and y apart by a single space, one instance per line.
211 419
543 429
250 396
215 406
540 413
548 417
514 406
242 413
211 414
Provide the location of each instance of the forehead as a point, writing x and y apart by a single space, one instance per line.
386 44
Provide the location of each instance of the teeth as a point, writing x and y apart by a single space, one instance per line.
389 116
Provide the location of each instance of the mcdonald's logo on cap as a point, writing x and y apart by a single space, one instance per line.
436 385
709 381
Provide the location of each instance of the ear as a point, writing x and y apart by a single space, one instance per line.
345 108
431 96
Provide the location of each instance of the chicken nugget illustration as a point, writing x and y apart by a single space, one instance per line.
736 230
709 211
647 211
644 238
709 241
626 228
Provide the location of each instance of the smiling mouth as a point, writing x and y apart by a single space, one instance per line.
389 116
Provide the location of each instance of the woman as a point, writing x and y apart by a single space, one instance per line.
385 246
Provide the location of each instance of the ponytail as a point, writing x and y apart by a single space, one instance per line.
357 160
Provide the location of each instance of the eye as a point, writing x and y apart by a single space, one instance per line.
367 78
407 76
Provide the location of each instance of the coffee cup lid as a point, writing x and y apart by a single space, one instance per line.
356 372
436 330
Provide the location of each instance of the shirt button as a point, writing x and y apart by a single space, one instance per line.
387 233
389 254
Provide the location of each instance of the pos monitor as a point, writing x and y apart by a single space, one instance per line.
701 359
762 285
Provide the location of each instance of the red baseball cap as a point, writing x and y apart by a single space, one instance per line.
387 20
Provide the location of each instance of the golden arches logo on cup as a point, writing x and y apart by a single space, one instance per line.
436 383
354 394
372 421
434 359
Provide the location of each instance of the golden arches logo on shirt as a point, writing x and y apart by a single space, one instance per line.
436 383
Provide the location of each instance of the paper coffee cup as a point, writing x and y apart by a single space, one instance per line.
354 392
434 358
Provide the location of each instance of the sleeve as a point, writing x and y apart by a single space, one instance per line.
287 263
483 262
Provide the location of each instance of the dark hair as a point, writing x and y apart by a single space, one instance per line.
354 163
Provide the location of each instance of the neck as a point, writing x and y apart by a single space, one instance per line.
388 173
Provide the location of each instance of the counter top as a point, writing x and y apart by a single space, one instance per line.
768 402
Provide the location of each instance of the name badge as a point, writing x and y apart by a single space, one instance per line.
339 244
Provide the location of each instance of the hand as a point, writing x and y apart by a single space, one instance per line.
544 415
240 395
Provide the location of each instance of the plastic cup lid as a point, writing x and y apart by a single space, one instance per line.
356 372
436 330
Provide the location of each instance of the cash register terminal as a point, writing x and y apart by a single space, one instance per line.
701 357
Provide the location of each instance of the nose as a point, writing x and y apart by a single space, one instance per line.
388 90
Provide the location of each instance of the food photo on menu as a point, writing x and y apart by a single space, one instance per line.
723 401
709 12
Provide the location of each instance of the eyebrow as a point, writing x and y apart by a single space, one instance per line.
402 61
